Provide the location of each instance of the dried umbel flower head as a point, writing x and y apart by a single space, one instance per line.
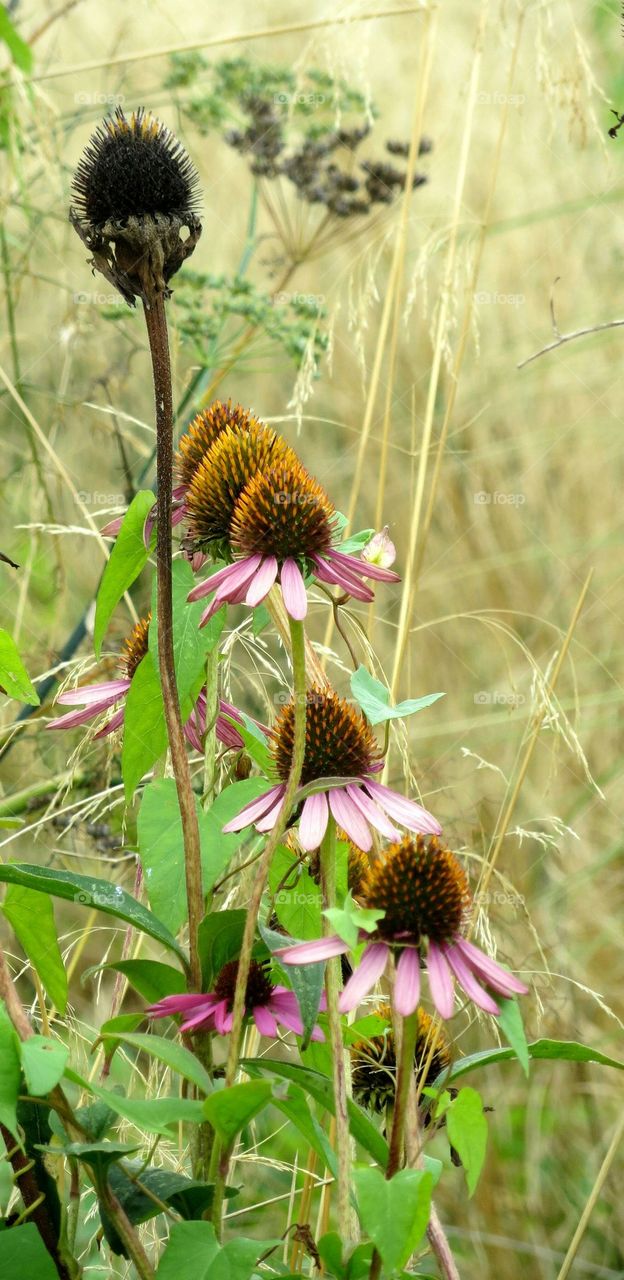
135 194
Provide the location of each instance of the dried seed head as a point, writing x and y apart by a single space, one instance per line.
135 192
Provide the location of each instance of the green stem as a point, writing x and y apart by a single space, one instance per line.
405 1074
297 643
333 985
156 322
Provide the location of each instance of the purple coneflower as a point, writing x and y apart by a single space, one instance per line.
283 527
93 700
339 744
423 891
265 1002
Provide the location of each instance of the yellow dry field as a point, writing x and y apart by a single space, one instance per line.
501 486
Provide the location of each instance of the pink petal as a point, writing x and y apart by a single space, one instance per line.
467 980
488 970
410 815
265 1021
312 952
227 735
440 981
293 590
221 1018
111 529
363 980
348 817
115 722
337 577
106 693
407 984
262 581
222 575
372 812
209 613
169 1005
313 821
254 810
74 718
268 820
364 567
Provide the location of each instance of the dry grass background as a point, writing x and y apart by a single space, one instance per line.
524 189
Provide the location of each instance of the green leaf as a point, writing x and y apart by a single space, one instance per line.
174 1056
351 546
394 1213
32 919
21 53
306 980
128 557
229 1110
10 1071
152 979
98 1155
374 699
467 1131
254 743
190 645
87 891
145 731
544 1050
156 1115
190 1250
512 1027
237 1260
219 940
22 1251
296 896
14 678
161 847
320 1088
350 918
295 1105
186 1196
43 1061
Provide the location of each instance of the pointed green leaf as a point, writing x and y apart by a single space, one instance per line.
87 891
229 1110
43 1061
467 1131
219 940
189 1251
542 1050
320 1088
10 1071
22 1251
512 1027
350 918
174 1056
32 919
20 52
156 1115
374 699
145 731
152 979
191 645
306 980
161 846
394 1213
14 678
127 558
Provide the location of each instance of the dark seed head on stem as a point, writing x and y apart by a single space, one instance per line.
135 194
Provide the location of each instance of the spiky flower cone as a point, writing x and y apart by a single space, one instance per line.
135 191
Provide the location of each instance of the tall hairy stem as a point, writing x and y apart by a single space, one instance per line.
297 646
156 322
333 984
